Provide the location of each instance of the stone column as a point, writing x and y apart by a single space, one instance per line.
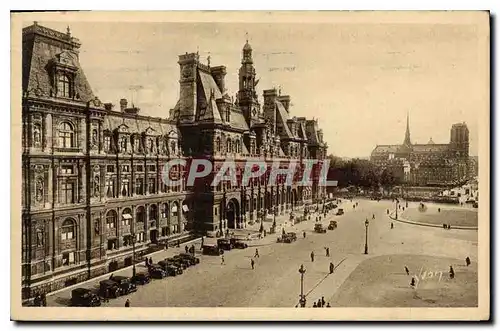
81 182
146 223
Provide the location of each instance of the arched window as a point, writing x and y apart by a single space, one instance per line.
111 220
126 217
217 144
140 215
66 135
68 230
164 210
64 86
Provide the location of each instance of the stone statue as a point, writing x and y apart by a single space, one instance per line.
39 189
94 137
96 186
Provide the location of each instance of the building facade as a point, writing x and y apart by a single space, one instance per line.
92 175
428 164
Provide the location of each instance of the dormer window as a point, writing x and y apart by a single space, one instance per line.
63 86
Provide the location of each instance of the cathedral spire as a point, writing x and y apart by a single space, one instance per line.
407 141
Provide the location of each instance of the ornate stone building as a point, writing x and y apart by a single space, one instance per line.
428 164
92 175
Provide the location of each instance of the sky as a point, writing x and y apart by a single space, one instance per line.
359 80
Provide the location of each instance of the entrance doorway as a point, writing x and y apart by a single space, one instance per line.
153 236
232 212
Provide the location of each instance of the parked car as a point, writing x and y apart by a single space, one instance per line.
238 243
340 211
319 228
171 269
141 278
188 261
190 257
125 284
177 262
157 272
109 289
211 250
332 225
224 244
83 297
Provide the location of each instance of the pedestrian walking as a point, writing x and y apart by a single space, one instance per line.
412 283
452 272
407 270
328 305
314 305
127 303
467 261
304 234
186 249
256 253
327 252
312 256
150 261
147 262
222 260
392 225
331 267
252 262
373 216
323 301
166 245
319 303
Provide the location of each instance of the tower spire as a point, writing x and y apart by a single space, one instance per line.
407 141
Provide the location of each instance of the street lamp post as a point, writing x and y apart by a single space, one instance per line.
133 255
366 236
302 271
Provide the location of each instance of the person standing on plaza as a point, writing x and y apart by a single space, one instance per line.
452 272
146 262
331 267
323 301
312 256
327 251
392 225
467 261
222 260
186 249
150 261
304 234
407 270
127 303
252 263
319 304
202 241
314 305
256 253
328 305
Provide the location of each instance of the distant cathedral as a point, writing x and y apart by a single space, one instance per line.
428 164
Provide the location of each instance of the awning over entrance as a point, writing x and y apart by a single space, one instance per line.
127 216
185 208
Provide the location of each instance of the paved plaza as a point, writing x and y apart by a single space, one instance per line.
275 281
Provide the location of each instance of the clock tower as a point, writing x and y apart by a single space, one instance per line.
247 95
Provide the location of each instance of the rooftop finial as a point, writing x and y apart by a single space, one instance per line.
246 36
208 59
197 50
68 31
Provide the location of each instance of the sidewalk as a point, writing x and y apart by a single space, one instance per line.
403 220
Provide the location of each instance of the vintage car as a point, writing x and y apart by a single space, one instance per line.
177 262
332 225
224 244
83 297
124 283
238 243
157 272
211 250
319 228
287 237
171 269
109 289
340 211
190 257
141 278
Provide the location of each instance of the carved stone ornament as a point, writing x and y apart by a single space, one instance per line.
39 189
96 102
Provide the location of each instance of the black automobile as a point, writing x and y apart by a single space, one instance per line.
157 272
141 278
190 257
83 297
171 269
189 262
211 250
238 243
178 262
109 289
125 284
224 244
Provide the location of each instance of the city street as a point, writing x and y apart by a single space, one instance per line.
275 282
